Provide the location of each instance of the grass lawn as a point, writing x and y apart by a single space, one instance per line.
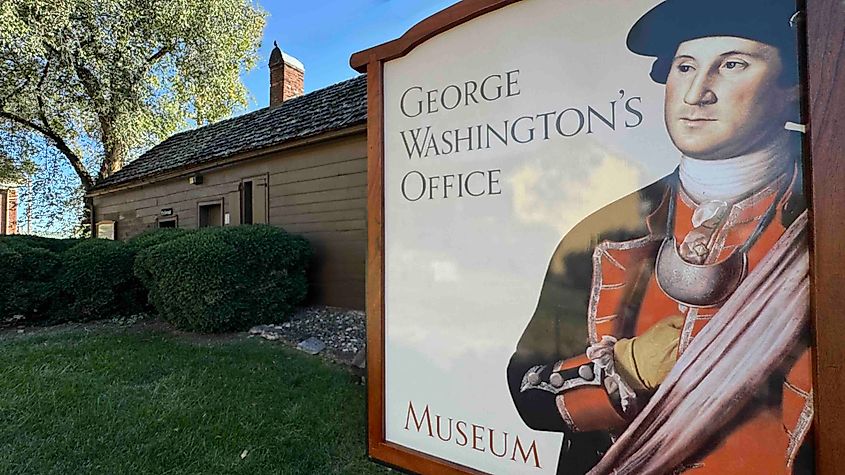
104 399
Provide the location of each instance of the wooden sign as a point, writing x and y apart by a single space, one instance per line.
607 242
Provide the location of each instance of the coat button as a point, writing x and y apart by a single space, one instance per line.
556 379
586 372
533 378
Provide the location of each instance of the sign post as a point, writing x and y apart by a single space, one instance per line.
607 243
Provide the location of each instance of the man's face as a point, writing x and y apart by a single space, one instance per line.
723 99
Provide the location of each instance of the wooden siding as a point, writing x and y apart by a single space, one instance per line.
317 191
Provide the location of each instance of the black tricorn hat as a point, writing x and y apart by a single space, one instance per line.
659 32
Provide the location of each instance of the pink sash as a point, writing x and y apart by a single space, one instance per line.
728 361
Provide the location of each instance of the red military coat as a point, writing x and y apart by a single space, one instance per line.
622 299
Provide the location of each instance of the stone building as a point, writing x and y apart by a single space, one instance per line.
299 164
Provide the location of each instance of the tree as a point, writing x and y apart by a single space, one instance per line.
100 80
15 156
11 171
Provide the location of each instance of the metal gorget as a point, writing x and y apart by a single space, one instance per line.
704 285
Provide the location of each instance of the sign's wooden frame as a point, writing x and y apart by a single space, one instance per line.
825 103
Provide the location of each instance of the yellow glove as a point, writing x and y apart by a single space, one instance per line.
645 360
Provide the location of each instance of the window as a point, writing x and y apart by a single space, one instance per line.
105 230
168 223
210 213
246 203
254 202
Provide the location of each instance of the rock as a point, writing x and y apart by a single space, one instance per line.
341 331
312 346
360 359
258 330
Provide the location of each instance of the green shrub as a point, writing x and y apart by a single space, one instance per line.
27 276
38 242
149 239
154 237
224 279
97 281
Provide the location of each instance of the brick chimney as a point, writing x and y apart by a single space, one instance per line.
287 77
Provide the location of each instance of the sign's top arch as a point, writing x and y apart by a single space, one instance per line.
444 20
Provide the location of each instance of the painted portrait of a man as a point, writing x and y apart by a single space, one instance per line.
681 345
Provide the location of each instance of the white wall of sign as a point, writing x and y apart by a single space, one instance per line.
463 272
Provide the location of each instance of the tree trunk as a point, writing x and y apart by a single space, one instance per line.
115 149
115 158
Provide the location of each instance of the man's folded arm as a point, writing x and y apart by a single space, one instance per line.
564 396
597 390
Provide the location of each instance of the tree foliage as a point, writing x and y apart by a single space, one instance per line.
99 80
16 156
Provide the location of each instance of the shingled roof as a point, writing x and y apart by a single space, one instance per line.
333 108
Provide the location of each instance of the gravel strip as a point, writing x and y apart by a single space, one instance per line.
343 331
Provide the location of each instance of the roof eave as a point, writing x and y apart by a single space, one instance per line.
232 159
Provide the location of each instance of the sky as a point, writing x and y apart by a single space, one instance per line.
323 34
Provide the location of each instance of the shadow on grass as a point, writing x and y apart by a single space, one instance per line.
116 400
